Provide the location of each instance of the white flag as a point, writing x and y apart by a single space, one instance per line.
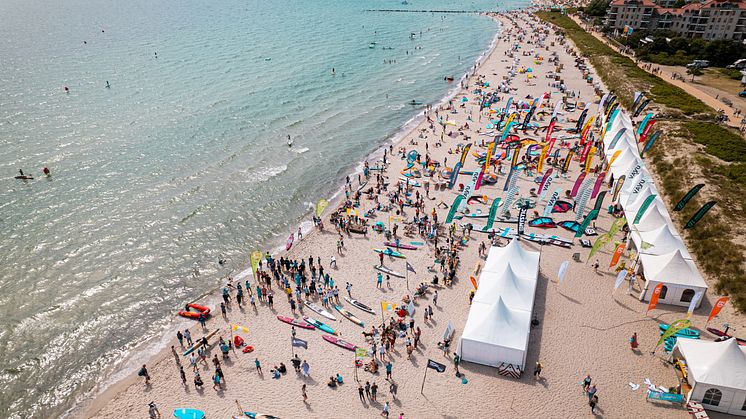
694 302
620 278
563 270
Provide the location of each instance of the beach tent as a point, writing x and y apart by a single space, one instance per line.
495 335
660 241
515 292
655 216
716 371
524 263
680 278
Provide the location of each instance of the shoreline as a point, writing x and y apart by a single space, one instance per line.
91 404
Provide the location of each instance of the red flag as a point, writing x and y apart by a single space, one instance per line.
654 298
617 254
718 306
473 281
646 130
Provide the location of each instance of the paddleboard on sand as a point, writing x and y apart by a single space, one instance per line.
289 243
359 305
319 325
718 332
681 333
254 415
388 271
400 246
295 322
389 252
320 310
185 413
198 344
339 342
351 317
409 182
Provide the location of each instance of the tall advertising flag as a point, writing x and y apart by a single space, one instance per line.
699 214
654 298
578 182
644 207
568 159
321 206
689 195
464 154
493 214
256 257
718 306
618 187
454 208
617 255
563 271
673 328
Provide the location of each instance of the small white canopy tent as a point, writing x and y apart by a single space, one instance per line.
660 241
495 334
523 262
680 277
717 373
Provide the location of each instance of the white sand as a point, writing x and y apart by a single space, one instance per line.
584 326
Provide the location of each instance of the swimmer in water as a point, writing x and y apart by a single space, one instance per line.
46 172
290 142
107 84
67 89
333 72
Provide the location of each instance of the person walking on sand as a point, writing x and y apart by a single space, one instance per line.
592 403
258 366
586 383
361 393
367 390
537 369
385 412
456 361
393 388
374 391
379 281
306 368
380 258
633 341
180 337
144 373
305 395
183 376
592 391
188 337
389 368
153 411
596 264
176 355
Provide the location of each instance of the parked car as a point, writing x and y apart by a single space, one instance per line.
698 64
742 94
738 65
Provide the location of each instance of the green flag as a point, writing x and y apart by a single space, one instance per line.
321 206
591 215
256 257
600 242
699 214
673 328
689 195
493 214
616 226
454 208
649 200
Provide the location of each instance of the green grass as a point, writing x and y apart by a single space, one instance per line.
719 141
621 74
731 73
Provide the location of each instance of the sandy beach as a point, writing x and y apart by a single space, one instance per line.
583 325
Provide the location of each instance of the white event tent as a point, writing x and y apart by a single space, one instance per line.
497 330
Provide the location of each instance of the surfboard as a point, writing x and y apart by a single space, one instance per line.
289 243
320 310
319 325
351 317
389 252
254 415
388 271
409 182
339 342
186 413
359 305
295 322
198 344
400 246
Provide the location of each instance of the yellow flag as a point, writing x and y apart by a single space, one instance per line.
387 306
321 206
543 156
589 159
236 327
614 157
351 211
256 257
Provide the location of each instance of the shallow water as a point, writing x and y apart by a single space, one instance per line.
183 160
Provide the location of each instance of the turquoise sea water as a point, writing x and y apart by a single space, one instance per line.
183 160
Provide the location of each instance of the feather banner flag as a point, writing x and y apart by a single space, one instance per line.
693 303
236 328
689 195
654 298
591 215
699 214
717 307
620 278
673 328
321 206
454 208
644 207
255 258
493 214
600 242
577 184
617 254
563 271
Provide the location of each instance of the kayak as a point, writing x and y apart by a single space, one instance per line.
400 246
320 310
198 344
319 325
189 314
359 305
185 413
388 271
720 333
339 342
351 317
389 252
681 333
289 243
295 322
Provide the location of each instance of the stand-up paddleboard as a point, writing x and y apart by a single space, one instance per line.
388 271
254 415
359 305
320 310
186 413
400 246
339 342
198 344
687 333
410 182
290 241
319 325
295 322
389 252
475 215
362 185
718 332
351 317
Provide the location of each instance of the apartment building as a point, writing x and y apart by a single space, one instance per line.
710 19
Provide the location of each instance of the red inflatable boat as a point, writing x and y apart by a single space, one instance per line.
188 313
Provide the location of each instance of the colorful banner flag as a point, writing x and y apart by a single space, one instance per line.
614 157
591 215
644 122
673 328
509 197
542 157
388 306
550 129
479 179
646 131
473 282
600 242
577 184
621 276
321 206
546 183
522 220
454 208
617 255
582 201
616 226
299 343
437 366
693 303
650 142
654 298
598 184
472 185
454 175
616 139
410 268
568 159
236 328
255 258
618 187
689 195
699 214
464 153
599 201
551 201
493 214
488 158
641 108
644 207
563 271
721 302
